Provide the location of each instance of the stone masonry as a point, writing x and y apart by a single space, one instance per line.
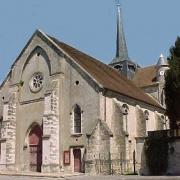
98 149
8 138
51 131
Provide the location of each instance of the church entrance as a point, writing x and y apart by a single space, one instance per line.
35 148
77 160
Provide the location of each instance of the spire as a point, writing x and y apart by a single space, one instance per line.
122 62
162 61
121 48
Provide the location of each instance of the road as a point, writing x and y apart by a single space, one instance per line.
85 177
123 178
4 177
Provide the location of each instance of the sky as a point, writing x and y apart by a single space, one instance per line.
151 27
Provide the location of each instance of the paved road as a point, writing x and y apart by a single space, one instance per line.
84 177
123 178
2 177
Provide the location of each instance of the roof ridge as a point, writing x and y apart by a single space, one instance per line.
147 67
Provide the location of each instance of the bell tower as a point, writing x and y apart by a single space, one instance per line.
122 62
161 67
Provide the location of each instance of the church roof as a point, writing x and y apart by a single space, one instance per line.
106 76
145 76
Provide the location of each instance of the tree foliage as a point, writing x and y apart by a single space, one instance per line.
172 85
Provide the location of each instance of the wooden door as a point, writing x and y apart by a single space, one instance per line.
35 149
77 160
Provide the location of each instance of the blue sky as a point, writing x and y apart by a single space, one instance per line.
151 27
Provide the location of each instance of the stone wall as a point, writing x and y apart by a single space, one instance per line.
174 157
51 131
8 136
118 142
141 122
173 137
76 89
98 150
129 131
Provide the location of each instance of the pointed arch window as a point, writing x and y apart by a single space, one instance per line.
77 119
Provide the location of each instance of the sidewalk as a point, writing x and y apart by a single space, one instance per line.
36 174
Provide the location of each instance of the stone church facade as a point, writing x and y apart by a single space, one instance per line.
61 110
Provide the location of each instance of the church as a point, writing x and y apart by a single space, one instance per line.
62 110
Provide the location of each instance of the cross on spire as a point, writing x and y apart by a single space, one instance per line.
118 2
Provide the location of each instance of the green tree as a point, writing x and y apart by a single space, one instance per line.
172 85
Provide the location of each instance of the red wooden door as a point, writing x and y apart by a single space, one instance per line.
35 148
77 160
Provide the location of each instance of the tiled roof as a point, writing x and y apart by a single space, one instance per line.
105 75
145 76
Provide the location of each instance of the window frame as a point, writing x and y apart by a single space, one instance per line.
74 128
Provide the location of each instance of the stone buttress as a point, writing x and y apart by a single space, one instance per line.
8 134
51 130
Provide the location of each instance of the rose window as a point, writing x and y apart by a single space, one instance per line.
36 82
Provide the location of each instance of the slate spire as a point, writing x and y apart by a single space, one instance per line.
121 47
122 62
162 61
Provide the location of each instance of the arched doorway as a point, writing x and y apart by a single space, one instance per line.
35 148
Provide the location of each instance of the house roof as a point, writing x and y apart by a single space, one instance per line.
145 76
105 75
